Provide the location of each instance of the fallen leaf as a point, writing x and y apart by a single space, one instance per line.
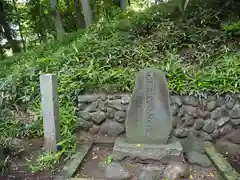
211 175
95 157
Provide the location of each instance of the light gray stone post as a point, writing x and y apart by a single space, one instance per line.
87 12
50 109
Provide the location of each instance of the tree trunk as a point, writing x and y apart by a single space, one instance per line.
79 16
123 4
41 32
7 31
19 25
87 12
2 54
57 20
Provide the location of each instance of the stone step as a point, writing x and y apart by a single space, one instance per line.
224 168
84 179
61 178
73 164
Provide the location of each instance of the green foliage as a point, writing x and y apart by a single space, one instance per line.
212 12
39 51
232 27
107 56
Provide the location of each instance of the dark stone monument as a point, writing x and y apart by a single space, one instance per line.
149 120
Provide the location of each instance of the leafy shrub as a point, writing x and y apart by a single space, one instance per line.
37 52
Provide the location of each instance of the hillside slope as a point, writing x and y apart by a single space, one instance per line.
193 50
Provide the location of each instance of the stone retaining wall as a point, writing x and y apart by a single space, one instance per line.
211 117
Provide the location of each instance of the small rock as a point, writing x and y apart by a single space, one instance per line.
175 109
181 112
211 98
94 129
88 98
181 133
235 121
215 133
148 175
204 114
117 96
198 159
121 120
110 113
98 117
194 133
191 100
178 100
209 126
219 112
230 102
189 121
222 121
116 171
120 115
176 170
84 115
81 106
175 122
92 107
216 114
220 101
235 113
199 124
211 105
226 129
110 97
192 111
112 128
114 97
234 136
182 121
125 100
205 136
103 97
85 125
117 105
103 106
192 143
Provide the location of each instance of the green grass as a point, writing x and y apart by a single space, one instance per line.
107 56
40 51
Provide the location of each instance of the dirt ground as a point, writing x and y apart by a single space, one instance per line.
18 165
231 152
18 168
93 167
95 164
234 160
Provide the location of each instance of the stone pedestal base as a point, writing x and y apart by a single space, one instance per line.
162 152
